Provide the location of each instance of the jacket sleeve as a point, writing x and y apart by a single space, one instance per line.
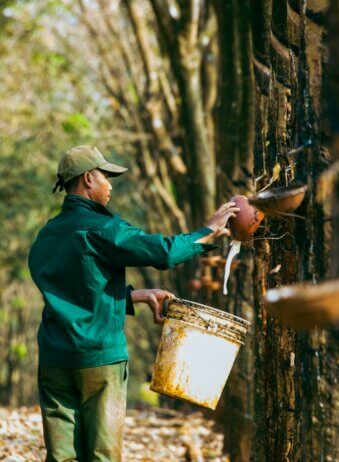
121 244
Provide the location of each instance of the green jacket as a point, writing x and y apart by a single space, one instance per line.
78 262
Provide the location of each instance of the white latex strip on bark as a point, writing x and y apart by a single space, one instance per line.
233 251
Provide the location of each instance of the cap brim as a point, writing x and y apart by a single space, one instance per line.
112 169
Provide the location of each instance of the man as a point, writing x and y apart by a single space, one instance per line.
78 262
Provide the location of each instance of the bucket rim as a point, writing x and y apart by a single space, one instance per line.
233 336
221 313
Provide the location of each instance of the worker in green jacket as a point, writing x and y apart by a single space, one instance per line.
78 262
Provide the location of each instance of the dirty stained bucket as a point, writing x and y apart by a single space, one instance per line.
196 353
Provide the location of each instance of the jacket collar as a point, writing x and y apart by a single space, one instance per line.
72 201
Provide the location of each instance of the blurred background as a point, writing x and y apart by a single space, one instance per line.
201 100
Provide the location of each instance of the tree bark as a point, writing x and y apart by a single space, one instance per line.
293 371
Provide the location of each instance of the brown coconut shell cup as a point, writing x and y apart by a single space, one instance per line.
305 305
277 201
246 221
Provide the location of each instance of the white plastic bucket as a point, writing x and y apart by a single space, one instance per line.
196 353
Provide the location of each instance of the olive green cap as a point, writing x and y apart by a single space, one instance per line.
81 159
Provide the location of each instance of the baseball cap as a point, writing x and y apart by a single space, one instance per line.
81 159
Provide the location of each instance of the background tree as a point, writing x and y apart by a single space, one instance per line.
202 100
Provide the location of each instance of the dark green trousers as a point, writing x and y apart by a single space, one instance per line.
83 412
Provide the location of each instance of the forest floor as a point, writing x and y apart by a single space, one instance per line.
155 435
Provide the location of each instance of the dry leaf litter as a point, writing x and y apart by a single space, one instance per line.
156 435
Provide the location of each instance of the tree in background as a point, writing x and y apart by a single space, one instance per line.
49 102
206 100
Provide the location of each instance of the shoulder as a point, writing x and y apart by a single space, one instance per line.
109 224
115 230
46 227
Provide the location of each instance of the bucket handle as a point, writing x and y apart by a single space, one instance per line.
165 308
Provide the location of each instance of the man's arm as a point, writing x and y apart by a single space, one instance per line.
218 222
155 299
122 244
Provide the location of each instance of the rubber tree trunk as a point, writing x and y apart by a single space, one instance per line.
234 142
286 412
294 372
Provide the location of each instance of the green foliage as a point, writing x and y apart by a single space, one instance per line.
133 94
148 396
49 102
4 15
18 302
19 351
4 316
77 124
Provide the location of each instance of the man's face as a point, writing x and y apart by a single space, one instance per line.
101 187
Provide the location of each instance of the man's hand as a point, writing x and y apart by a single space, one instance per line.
219 220
155 299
